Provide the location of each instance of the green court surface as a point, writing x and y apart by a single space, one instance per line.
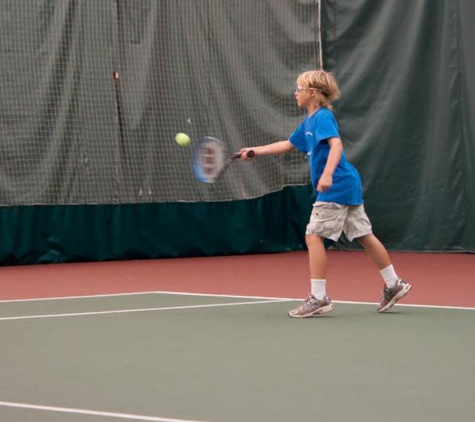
167 357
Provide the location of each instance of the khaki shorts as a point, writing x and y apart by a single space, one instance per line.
329 220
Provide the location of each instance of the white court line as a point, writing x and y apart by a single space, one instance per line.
41 299
125 311
408 305
90 412
161 292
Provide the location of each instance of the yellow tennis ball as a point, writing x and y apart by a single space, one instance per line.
182 139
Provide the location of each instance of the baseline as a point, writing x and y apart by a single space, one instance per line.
91 412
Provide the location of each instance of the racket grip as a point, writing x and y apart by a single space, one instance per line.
249 154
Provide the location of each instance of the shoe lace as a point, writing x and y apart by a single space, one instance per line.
309 300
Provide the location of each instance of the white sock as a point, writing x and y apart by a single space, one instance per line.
318 288
389 275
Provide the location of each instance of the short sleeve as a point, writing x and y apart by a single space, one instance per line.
298 140
327 127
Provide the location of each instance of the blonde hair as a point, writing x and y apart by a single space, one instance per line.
325 84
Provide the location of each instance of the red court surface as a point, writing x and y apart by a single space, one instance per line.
438 279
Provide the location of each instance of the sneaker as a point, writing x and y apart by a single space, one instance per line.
312 306
391 296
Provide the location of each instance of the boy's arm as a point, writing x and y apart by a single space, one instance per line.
276 148
326 179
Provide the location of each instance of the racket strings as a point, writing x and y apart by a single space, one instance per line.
209 161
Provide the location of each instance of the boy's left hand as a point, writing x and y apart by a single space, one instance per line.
324 183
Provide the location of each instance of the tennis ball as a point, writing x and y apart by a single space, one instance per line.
182 139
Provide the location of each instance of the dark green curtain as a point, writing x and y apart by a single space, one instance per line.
405 71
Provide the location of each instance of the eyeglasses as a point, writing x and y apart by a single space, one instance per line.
299 88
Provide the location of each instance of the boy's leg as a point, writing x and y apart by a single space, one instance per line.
326 221
376 250
317 256
358 226
317 302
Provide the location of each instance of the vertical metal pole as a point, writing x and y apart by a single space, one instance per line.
121 163
319 34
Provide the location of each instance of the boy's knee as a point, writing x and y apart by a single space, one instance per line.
313 239
369 241
364 238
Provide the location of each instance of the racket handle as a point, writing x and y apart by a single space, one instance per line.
249 154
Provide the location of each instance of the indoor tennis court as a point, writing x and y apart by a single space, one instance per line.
200 340
152 241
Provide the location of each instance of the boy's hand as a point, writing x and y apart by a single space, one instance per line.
244 152
324 183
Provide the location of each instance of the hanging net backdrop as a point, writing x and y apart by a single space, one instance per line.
93 92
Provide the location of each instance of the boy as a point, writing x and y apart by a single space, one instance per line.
339 206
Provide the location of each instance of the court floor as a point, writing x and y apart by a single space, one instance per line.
176 357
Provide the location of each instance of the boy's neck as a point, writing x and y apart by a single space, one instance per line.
312 109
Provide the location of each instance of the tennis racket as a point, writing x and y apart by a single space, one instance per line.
210 158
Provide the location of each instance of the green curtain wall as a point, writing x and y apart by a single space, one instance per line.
406 115
56 234
405 68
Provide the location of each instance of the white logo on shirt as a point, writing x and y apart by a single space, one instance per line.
309 133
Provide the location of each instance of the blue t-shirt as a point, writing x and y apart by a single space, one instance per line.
311 137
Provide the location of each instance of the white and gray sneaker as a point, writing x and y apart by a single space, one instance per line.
394 294
311 307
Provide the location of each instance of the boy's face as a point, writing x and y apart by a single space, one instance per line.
305 97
